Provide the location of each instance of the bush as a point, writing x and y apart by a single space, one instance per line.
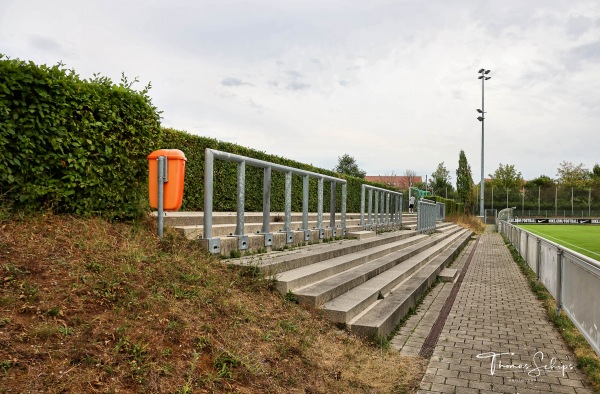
72 145
452 207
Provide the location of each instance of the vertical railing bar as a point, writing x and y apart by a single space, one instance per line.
332 204
305 187
559 276
266 227
241 188
288 202
376 210
208 192
161 194
362 206
344 197
370 208
320 204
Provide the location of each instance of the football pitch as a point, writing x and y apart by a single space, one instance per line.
584 239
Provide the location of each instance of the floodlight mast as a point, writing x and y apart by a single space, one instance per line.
481 118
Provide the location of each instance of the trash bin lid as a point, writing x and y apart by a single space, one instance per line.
170 153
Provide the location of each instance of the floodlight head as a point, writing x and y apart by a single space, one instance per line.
480 77
482 70
486 78
480 118
480 111
487 71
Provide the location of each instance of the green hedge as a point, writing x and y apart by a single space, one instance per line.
72 145
452 207
225 178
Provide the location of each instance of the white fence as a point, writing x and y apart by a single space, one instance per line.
572 278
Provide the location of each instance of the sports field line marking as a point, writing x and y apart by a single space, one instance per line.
567 243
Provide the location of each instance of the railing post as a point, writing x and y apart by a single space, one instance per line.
538 262
344 197
241 197
387 209
526 257
370 209
287 226
305 187
320 208
241 188
214 245
266 226
332 208
559 272
376 210
362 206
161 194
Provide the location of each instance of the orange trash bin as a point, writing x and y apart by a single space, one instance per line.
173 188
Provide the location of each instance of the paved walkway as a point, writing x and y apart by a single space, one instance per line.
497 338
414 332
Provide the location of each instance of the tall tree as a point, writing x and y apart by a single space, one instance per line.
507 177
572 175
440 179
541 181
411 176
464 183
595 174
347 165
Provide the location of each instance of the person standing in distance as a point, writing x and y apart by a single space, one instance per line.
411 204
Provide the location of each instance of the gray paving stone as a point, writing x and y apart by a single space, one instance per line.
496 312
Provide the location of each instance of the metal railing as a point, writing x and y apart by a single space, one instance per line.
385 213
441 211
214 245
572 278
426 215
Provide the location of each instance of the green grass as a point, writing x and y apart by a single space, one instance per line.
584 239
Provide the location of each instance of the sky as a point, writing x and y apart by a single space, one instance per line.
394 84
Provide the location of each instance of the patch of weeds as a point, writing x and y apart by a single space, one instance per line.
234 254
95 267
190 278
45 331
6 365
5 321
181 293
54 311
136 353
167 352
224 364
28 291
288 326
65 331
291 297
201 343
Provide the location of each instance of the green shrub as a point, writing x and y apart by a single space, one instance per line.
72 145
452 207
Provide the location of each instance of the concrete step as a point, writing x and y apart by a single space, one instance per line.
189 218
224 230
273 263
348 305
303 276
332 287
385 314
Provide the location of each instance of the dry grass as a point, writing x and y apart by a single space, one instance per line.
468 221
97 307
